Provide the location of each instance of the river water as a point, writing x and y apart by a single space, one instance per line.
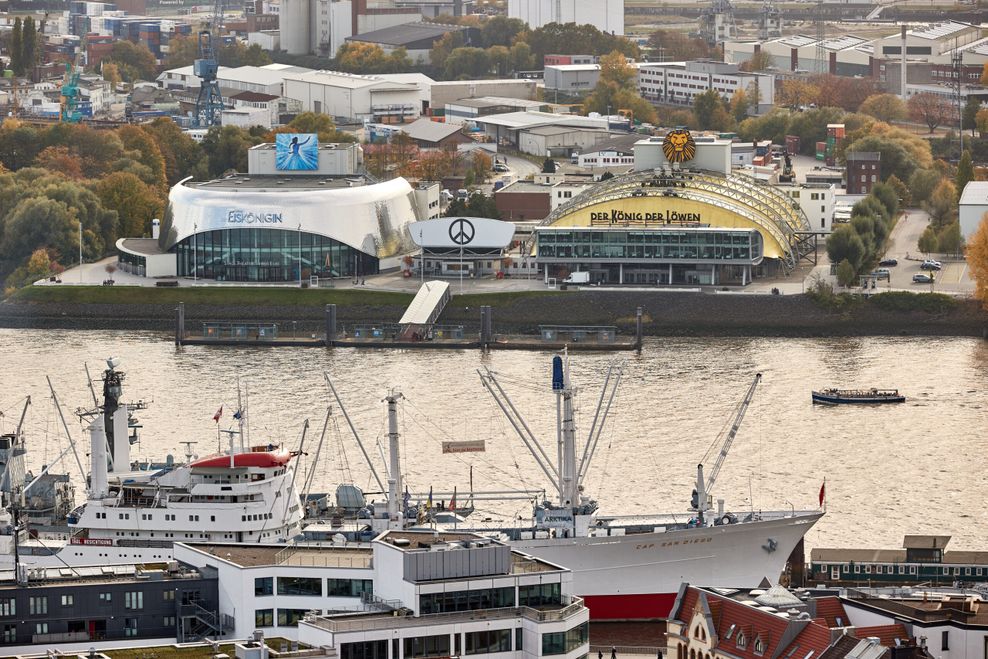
912 468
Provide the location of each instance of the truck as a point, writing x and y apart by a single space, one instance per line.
577 278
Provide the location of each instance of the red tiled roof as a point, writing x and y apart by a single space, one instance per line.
685 612
886 634
831 608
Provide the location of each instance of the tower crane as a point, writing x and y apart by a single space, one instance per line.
701 494
209 102
71 97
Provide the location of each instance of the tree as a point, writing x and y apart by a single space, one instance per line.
981 123
922 184
466 63
759 61
942 205
227 149
928 243
134 61
368 58
929 109
39 222
442 48
521 57
572 39
845 273
984 75
111 73
616 89
500 60
797 93
15 48
60 159
949 240
977 259
884 107
478 205
965 171
705 109
739 105
673 46
142 148
888 196
310 122
135 202
845 243
970 113
480 166
39 265
29 46
846 93
895 159
901 190
183 156
501 31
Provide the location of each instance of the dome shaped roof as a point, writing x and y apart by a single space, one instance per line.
778 597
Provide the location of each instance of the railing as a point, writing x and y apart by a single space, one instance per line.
302 556
375 622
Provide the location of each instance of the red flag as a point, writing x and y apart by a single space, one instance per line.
823 492
219 413
452 502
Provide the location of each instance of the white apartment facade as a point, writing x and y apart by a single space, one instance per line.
817 201
407 594
681 82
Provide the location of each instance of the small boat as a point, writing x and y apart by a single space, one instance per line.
859 396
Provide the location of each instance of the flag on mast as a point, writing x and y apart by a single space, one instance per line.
823 492
428 504
219 413
452 502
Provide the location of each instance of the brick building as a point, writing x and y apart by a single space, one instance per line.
864 170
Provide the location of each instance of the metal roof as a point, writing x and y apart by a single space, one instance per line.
843 42
531 119
428 130
401 35
797 40
347 80
419 312
495 101
938 31
975 193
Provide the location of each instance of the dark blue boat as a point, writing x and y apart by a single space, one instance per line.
858 396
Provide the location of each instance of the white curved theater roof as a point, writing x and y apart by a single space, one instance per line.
372 218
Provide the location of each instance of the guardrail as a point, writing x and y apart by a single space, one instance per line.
376 622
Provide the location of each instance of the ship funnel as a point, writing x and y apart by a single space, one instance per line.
557 373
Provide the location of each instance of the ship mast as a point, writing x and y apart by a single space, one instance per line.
396 517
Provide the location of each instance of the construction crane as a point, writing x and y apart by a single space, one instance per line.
71 99
209 102
701 494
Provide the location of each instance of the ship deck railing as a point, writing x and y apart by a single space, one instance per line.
390 621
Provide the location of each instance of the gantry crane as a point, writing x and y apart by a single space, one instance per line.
209 102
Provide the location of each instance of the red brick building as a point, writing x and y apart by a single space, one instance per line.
523 200
864 170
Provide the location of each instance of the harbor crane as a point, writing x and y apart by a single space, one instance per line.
701 495
71 96
209 102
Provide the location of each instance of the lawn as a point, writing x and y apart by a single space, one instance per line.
248 297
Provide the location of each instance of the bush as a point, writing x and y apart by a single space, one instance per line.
905 301
822 293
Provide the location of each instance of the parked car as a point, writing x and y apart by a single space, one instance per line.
929 264
889 262
921 278
462 194
501 168
882 273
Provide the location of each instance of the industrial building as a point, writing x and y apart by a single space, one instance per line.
539 133
468 109
973 207
281 222
416 38
322 26
605 15
357 97
408 594
864 170
681 82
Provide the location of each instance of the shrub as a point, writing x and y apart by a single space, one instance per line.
934 303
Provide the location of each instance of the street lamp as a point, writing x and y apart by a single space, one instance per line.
80 251
300 255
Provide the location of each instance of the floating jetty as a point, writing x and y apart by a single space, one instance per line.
427 335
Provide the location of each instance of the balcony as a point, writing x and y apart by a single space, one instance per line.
391 621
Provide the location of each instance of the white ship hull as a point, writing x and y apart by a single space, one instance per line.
637 576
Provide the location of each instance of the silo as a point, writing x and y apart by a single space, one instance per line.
294 25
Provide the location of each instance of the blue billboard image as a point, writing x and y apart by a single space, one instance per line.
297 151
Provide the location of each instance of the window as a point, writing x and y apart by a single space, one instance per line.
912 569
299 586
944 640
38 606
467 600
168 621
290 617
168 595
759 645
134 600
41 628
564 642
519 640
130 626
105 597
8 607
730 631
902 569
742 642
548 594
349 587
68 600
9 634
264 618
857 569
488 641
263 586
427 646
366 650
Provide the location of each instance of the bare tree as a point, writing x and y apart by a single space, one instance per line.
930 109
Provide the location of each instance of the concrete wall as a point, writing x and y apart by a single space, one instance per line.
714 156
449 92
970 218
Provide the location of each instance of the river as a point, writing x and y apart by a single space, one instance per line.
912 468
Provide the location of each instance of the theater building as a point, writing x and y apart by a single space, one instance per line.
681 218
302 211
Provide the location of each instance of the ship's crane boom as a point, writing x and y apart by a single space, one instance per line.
701 494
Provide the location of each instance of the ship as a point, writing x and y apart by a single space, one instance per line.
134 512
625 567
871 396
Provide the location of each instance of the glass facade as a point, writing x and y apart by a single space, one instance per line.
349 587
467 600
548 594
427 646
269 255
311 586
132 263
565 642
659 245
488 641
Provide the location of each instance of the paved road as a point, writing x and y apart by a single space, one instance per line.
955 276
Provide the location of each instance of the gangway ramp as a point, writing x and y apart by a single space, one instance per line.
425 308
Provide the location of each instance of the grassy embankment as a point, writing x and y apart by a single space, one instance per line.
246 296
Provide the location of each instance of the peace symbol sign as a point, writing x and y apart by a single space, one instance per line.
461 231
